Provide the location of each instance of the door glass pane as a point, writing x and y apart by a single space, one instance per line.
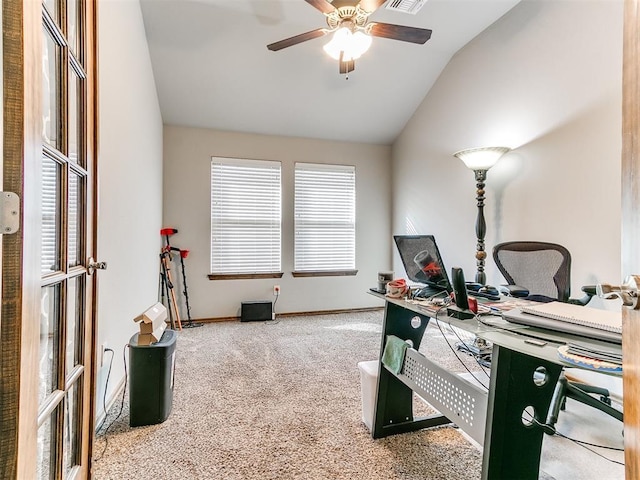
49 331
67 106
45 468
50 256
71 427
72 25
74 84
52 8
74 310
73 216
50 97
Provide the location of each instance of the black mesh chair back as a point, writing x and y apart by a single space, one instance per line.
541 267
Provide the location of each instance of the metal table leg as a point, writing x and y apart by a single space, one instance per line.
394 400
520 385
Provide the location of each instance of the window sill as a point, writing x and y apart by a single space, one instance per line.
240 276
325 273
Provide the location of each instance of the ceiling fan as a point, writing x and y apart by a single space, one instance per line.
349 20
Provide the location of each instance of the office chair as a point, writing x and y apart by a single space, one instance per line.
543 269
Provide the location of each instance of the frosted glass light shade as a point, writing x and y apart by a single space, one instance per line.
352 44
482 158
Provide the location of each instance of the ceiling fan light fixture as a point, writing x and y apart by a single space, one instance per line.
353 44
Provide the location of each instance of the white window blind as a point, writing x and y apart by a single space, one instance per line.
245 216
325 217
50 227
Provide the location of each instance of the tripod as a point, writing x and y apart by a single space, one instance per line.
166 286
185 292
167 232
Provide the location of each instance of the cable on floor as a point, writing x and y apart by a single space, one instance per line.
124 392
549 430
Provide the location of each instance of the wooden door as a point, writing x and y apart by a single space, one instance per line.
47 320
631 232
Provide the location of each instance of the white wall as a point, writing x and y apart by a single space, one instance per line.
187 160
542 81
545 80
130 176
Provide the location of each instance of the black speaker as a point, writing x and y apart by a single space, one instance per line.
459 288
257 310
461 310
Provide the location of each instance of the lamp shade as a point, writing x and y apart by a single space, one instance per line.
482 158
352 44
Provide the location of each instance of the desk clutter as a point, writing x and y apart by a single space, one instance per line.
434 293
545 319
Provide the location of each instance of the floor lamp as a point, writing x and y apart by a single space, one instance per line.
480 160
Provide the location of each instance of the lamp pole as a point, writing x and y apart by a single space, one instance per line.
481 227
480 160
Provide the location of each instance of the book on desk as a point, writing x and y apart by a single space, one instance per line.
568 318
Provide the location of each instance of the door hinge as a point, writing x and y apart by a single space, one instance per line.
9 212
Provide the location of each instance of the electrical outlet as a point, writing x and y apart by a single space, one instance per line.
103 349
276 290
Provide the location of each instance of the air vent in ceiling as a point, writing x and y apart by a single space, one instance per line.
406 6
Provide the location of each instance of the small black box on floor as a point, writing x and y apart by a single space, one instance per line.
151 379
257 310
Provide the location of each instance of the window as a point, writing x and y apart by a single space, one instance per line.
245 217
325 218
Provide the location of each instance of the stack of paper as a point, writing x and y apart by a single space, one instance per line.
578 315
567 318
603 354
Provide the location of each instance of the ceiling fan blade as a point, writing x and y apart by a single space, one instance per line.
399 32
303 37
322 5
371 6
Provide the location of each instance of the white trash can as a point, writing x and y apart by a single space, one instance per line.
368 384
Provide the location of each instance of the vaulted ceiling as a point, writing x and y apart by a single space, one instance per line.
213 69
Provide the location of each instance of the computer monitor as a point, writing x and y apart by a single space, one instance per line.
422 261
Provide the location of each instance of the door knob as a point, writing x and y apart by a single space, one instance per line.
92 266
628 291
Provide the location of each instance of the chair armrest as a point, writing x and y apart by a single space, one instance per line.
514 291
589 292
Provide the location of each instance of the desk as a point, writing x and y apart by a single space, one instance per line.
523 379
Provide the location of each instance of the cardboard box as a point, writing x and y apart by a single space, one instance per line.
152 324
152 314
151 338
146 328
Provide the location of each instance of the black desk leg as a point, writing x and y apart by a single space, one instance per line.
512 440
394 400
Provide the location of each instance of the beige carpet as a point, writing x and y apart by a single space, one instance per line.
280 400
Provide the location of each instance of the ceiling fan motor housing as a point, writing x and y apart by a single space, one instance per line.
347 16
